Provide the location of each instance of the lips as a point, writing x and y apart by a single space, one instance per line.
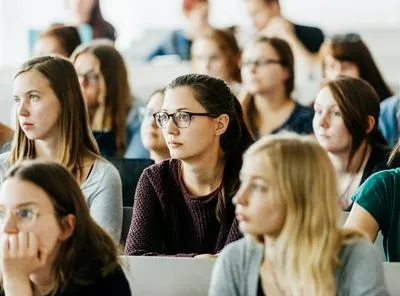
240 217
26 124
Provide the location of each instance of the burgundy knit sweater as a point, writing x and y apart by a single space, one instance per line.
169 220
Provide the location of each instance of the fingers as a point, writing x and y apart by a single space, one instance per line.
5 246
13 245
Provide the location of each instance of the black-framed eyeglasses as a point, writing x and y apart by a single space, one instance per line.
348 37
259 63
181 119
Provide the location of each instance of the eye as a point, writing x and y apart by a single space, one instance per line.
17 99
2 214
182 116
337 113
33 97
259 188
25 213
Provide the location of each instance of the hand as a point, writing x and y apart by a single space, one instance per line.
21 254
207 256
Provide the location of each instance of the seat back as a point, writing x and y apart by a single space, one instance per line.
130 171
167 276
126 223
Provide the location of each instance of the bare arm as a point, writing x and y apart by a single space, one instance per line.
361 219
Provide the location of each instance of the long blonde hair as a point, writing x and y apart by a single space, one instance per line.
77 141
308 246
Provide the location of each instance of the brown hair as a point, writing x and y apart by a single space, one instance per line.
351 48
118 101
217 98
76 138
286 59
227 43
90 252
67 36
357 100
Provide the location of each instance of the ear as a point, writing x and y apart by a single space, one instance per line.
221 124
371 124
285 74
68 224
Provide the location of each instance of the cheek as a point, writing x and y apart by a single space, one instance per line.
47 233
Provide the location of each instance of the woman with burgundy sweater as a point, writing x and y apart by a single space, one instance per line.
183 205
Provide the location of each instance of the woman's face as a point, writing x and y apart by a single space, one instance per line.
25 207
38 108
261 69
198 16
328 124
49 45
87 66
209 59
194 140
151 134
260 208
334 68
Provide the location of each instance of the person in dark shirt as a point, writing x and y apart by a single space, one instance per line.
49 243
183 206
179 41
268 77
266 17
346 125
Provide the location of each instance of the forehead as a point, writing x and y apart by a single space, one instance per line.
257 5
30 80
181 98
14 192
260 49
86 62
256 165
325 97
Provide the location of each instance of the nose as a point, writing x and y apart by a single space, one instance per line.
323 120
171 128
22 108
240 197
9 225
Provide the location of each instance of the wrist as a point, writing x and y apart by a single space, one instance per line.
17 285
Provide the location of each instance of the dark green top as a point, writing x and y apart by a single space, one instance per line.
380 196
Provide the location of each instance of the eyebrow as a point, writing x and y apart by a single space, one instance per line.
24 204
177 110
29 92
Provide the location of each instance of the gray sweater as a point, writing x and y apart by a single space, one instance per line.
236 271
103 194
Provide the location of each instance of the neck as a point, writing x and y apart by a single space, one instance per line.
47 148
340 160
204 175
271 101
158 156
269 248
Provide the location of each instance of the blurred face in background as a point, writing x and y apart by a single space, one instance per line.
48 45
262 71
261 12
87 66
334 68
197 17
208 58
151 134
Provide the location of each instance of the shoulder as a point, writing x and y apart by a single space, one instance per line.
301 110
390 105
116 283
163 170
359 248
242 251
102 167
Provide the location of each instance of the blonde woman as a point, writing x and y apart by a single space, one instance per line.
52 124
287 206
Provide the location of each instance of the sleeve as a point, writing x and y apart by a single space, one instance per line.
146 231
363 272
225 273
106 205
158 50
374 195
388 120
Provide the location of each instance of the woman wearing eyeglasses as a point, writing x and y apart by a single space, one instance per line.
268 78
151 134
52 124
183 206
114 116
49 244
